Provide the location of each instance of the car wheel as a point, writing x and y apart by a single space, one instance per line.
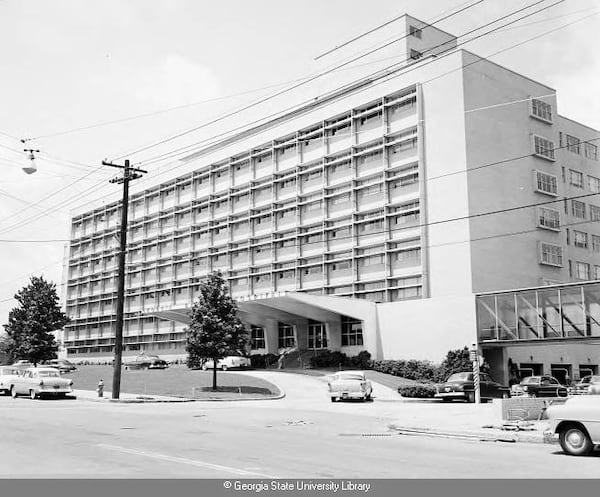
506 395
575 441
224 367
13 392
333 399
533 395
446 399
204 367
32 395
471 397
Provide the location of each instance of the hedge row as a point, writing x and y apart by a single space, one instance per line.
335 359
410 369
418 390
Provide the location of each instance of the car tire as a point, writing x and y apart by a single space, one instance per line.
533 395
204 367
13 392
446 399
32 395
224 367
575 441
333 399
471 397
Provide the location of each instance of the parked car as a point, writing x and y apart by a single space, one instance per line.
39 382
62 365
229 362
577 424
462 386
349 385
583 385
540 386
7 376
147 361
22 364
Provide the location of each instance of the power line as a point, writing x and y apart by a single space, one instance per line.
249 106
391 74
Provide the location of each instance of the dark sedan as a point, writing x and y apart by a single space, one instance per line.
540 386
147 361
461 386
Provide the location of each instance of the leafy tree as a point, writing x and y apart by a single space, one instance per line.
30 325
215 331
456 361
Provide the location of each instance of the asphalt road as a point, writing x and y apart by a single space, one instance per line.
301 436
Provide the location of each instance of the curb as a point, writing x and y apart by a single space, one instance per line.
174 400
510 437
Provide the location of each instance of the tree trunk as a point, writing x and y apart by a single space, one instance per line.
215 374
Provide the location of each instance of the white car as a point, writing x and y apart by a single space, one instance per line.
232 361
38 382
7 377
577 424
349 385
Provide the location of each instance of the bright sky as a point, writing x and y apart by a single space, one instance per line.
70 64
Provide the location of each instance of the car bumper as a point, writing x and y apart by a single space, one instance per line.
450 395
54 391
349 395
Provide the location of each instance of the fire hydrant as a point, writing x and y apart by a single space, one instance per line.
100 389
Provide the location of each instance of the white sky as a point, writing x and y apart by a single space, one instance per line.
74 63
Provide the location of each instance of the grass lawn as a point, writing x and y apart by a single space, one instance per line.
177 381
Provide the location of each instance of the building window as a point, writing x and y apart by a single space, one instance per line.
576 178
590 151
582 271
580 239
596 243
578 209
573 144
597 272
594 213
416 32
549 219
551 254
317 335
286 336
541 110
543 147
594 184
352 333
415 55
257 335
546 183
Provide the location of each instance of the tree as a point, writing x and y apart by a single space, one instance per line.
30 325
457 361
215 331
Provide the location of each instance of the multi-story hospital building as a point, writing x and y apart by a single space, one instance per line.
396 214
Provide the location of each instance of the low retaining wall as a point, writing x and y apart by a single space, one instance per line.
526 408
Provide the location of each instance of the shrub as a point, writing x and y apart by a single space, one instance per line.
262 361
418 391
329 359
361 361
411 369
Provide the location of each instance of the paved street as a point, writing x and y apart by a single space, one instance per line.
302 435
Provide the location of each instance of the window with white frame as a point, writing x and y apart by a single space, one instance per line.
578 209
541 110
597 272
590 151
582 271
594 213
596 243
580 239
549 218
576 178
594 184
543 147
551 254
573 144
257 335
286 336
352 333
546 183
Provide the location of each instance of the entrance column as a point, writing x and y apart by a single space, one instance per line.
271 335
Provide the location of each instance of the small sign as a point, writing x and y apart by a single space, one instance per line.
473 355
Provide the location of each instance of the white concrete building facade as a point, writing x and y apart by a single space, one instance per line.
368 219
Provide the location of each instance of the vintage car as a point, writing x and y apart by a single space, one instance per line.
349 385
229 362
461 386
583 385
146 361
539 386
22 365
7 376
577 424
39 382
62 365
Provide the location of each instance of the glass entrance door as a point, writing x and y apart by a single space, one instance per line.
317 336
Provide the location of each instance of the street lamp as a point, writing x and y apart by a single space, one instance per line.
30 168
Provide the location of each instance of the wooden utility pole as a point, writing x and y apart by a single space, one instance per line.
129 173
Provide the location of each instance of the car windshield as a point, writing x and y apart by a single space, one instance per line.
48 374
464 376
9 371
349 377
530 379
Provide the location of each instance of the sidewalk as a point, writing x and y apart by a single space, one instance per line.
462 420
127 398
